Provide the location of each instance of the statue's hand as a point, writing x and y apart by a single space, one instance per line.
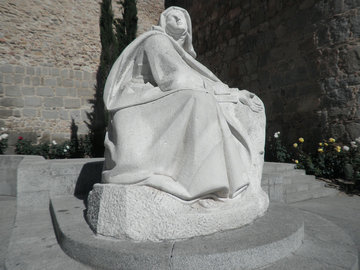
251 100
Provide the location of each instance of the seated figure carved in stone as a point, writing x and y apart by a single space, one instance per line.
174 126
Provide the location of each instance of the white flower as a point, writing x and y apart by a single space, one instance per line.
65 150
346 148
67 147
4 136
54 142
277 134
357 140
353 144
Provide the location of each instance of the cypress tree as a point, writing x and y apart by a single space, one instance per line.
112 44
127 26
109 48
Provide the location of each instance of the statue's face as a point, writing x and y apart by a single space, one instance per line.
176 22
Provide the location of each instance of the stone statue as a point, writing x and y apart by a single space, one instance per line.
175 129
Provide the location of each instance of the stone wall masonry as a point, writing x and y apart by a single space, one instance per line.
301 57
39 103
49 51
62 33
148 14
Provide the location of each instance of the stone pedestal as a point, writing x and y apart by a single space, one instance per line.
142 213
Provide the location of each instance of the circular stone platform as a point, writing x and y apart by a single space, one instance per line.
268 239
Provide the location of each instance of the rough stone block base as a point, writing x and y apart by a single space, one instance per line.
142 213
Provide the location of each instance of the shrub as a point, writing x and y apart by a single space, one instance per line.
54 150
329 159
276 151
3 140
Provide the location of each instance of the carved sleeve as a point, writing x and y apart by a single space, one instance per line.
169 70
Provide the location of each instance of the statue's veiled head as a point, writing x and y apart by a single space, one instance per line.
176 23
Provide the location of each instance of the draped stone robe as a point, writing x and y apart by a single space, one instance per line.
167 129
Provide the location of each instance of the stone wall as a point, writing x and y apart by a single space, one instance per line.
49 52
63 33
148 14
38 103
301 57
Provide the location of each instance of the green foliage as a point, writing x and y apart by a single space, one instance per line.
329 159
112 44
127 26
276 151
3 140
53 150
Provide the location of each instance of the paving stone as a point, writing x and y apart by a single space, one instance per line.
33 101
55 71
5 113
85 93
50 82
19 69
12 102
87 75
12 91
27 80
77 84
72 92
78 75
64 73
30 70
45 71
6 68
29 112
16 113
19 78
28 91
61 91
76 115
85 84
68 83
53 102
50 114
9 78
35 81
64 114
72 103
38 71
45 91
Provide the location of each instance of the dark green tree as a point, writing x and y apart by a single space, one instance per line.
112 44
127 26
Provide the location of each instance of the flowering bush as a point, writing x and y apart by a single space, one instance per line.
276 150
3 140
329 159
68 149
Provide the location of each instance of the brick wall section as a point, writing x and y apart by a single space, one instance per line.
301 57
148 14
49 52
38 103
63 33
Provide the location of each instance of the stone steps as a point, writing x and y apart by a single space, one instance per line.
284 183
277 167
310 194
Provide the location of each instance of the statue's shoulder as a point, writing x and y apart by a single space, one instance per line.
157 39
